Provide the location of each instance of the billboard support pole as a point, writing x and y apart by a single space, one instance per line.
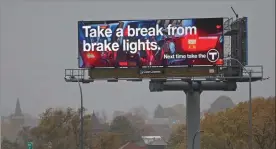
193 118
192 87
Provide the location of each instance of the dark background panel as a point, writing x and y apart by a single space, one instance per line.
209 24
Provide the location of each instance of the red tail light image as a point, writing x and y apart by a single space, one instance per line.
218 26
198 43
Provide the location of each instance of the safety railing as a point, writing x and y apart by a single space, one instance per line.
77 73
81 75
227 25
256 71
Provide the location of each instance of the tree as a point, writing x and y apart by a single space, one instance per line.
107 140
24 135
176 113
122 126
6 144
228 129
180 109
178 137
140 111
117 113
220 104
61 128
264 122
97 114
136 120
9 130
170 112
104 116
159 112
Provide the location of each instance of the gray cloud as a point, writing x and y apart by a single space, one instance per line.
39 40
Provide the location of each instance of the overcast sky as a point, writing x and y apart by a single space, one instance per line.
39 40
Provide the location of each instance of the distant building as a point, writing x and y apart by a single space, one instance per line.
160 130
158 121
97 125
159 127
117 113
220 104
132 145
17 118
13 123
152 139
148 142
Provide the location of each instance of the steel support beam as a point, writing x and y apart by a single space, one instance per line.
193 90
155 86
193 119
204 86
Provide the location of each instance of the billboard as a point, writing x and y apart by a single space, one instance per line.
150 43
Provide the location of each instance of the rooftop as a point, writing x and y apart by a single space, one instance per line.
154 140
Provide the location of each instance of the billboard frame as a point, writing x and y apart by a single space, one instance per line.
183 71
224 74
153 73
102 22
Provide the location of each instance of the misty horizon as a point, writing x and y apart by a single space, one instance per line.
32 63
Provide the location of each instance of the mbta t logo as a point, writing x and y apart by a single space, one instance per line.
212 55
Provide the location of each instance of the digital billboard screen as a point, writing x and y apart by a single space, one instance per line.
154 43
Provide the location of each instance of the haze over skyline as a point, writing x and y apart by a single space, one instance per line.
39 40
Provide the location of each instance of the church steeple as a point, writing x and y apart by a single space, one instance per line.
96 125
18 111
17 118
